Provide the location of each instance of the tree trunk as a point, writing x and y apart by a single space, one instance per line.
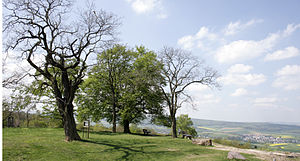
174 131
18 120
66 107
27 118
114 122
126 126
70 125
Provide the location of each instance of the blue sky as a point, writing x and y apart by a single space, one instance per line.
253 44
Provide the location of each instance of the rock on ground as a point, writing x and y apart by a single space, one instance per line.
235 155
204 142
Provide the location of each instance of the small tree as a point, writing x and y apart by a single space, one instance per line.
186 124
40 28
181 70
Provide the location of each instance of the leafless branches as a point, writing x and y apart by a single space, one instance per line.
181 70
43 28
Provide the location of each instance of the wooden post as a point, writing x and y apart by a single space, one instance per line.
83 132
88 129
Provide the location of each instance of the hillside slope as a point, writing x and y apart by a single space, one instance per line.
48 144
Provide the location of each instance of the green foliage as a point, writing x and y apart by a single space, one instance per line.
124 81
95 128
135 129
184 123
233 143
162 119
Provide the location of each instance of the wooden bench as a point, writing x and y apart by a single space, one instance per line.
146 132
184 134
187 136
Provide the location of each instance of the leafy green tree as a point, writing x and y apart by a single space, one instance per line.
184 123
123 87
143 93
105 85
21 101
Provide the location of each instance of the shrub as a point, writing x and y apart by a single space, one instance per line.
135 129
233 143
100 127
38 123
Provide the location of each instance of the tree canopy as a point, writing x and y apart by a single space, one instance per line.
123 87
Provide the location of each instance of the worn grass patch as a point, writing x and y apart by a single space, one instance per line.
48 144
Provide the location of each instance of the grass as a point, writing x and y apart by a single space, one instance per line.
48 144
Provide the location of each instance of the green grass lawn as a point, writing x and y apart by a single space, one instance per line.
48 144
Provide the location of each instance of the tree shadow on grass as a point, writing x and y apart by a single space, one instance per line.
121 133
128 150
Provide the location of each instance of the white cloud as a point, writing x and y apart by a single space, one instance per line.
147 6
235 27
269 102
266 100
245 49
242 77
290 29
240 92
239 68
288 77
241 50
288 52
202 39
197 88
143 6
205 33
187 42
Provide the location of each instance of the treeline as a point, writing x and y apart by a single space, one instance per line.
29 120
124 86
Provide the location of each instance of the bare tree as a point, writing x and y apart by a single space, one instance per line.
41 28
181 70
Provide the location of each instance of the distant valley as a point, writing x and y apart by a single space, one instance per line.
270 135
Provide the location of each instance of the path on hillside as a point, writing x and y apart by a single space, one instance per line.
264 155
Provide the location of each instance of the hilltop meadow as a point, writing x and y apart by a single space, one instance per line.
48 144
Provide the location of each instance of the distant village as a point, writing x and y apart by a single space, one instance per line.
267 139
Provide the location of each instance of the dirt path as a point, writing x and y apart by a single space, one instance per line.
263 155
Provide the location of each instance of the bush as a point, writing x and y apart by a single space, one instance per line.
135 129
38 123
100 127
233 143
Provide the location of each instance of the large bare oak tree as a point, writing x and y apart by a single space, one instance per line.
43 28
181 70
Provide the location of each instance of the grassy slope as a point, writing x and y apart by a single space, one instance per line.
48 144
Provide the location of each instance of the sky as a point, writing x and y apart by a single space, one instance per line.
253 44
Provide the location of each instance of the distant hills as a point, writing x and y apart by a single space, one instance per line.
245 127
214 128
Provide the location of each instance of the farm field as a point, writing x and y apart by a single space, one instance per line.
49 144
288 134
